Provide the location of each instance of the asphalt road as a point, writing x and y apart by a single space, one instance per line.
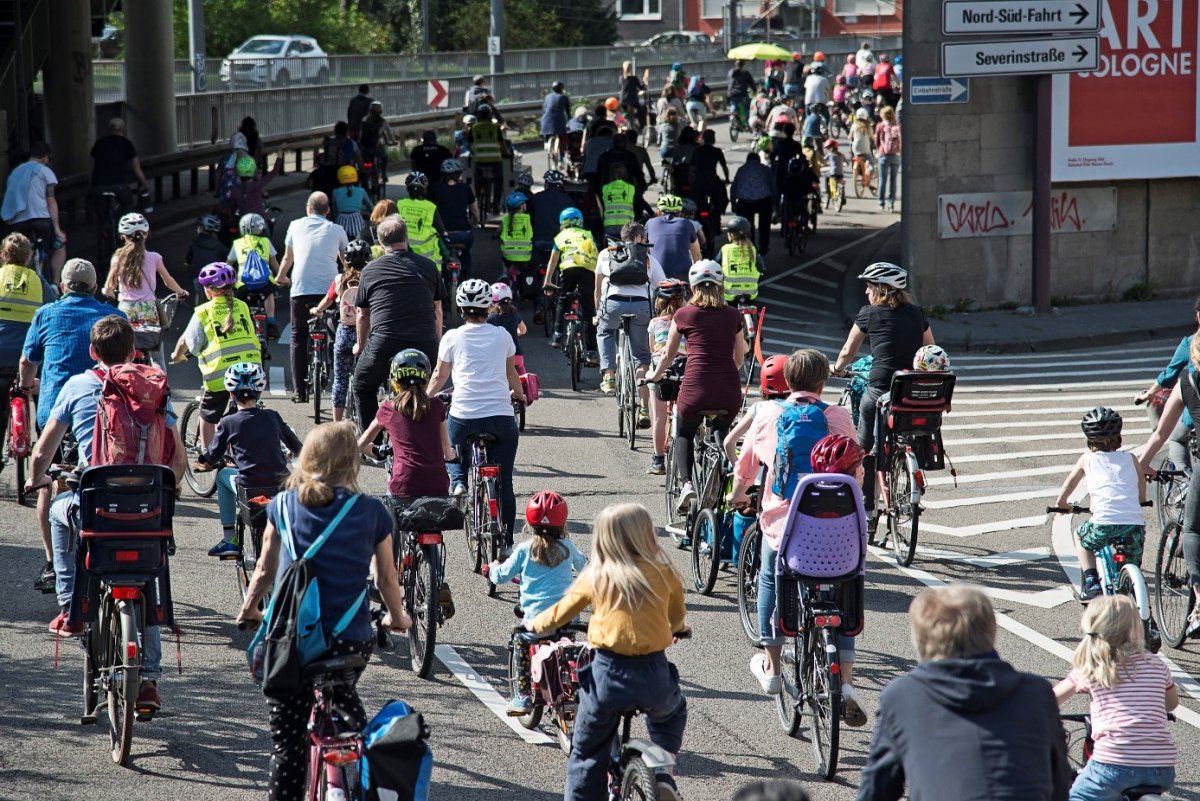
1012 437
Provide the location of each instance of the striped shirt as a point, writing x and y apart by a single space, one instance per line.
1129 722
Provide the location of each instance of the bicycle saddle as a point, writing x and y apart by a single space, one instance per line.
332 667
1143 790
483 438
716 414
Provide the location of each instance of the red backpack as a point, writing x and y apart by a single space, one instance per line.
131 417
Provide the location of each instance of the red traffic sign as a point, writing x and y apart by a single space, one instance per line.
437 94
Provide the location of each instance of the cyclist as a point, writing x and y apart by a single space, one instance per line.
425 228
504 314
375 137
1180 364
350 202
754 194
708 188
429 156
574 254
547 564
741 86
257 239
799 189
247 196
617 200
632 89
324 482
895 327
740 261
817 89
689 213
669 298
487 153
344 291
459 209
772 386
674 239
516 235
220 334
862 147
716 345
627 274
205 248
637 607
250 438
794 76
835 166
30 207
677 77
481 358
135 272
783 150
556 108
699 106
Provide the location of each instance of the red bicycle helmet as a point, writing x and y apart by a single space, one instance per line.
773 384
836 454
546 508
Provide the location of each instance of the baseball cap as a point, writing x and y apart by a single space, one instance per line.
79 271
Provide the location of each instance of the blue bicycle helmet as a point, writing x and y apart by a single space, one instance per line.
515 200
245 377
570 217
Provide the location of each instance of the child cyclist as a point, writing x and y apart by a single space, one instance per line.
1131 694
772 386
547 564
504 314
637 612
134 272
251 436
255 238
669 297
740 260
343 290
1117 488
835 167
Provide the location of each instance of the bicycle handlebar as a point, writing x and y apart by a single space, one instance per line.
1163 476
1068 510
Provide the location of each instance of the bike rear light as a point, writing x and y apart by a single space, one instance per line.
315 337
920 421
835 668
127 593
493 507
919 476
406 560
569 317
260 317
1118 557
828 515
341 757
131 651
430 538
127 556
490 471
830 621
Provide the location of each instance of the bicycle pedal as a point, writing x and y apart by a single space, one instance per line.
143 714
229 557
88 720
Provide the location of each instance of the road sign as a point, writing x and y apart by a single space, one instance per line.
437 95
493 45
938 90
1020 16
1021 56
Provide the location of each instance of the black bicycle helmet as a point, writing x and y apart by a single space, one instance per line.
738 225
358 253
408 367
1101 423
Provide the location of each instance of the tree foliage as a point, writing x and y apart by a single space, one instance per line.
528 24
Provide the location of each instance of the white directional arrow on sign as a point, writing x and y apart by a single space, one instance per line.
1021 56
1020 16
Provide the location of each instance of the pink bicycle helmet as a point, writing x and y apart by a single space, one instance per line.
217 275
836 454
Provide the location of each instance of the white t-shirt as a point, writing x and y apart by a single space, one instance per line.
478 353
607 290
36 207
315 244
816 90
865 61
1112 483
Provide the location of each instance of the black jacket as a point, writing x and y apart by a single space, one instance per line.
967 730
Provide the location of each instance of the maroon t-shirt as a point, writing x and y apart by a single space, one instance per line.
711 380
418 468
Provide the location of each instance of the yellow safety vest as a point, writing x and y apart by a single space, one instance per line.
740 265
418 215
243 245
516 237
617 197
222 351
20 293
576 248
485 142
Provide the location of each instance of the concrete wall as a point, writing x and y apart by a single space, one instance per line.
987 146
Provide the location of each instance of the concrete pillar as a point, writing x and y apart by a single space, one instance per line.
150 76
67 79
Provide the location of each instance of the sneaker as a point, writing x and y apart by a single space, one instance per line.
608 384
505 553
667 791
458 490
519 705
63 628
272 331
556 341
45 579
446 601
658 466
687 497
771 685
223 548
643 418
1091 587
1153 637
852 711
148 696
538 317
591 358
1193 629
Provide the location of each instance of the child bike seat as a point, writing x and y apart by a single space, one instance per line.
825 534
921 391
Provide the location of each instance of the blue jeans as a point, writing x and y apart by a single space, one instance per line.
502 452
466 238
611 310
62 507
608 686
889 176
227 496
768 616
1099 781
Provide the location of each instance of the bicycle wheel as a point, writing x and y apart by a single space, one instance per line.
123 678
829 190
91 636
860 186
423 608
241 573
638 782
534 716
549 312
734 129
476 526
1132 584
823 692
621 390
493 545
576 355
747 581
202 483
706 551
787 703
841 197
1173 595
22 470
316 377
671 489
631 397
903 516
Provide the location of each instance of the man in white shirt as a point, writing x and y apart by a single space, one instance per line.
864 59
314 246
817 91
31 208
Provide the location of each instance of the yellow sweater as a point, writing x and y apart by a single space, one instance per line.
622 630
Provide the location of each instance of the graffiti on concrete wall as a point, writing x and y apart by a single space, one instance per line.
1010 213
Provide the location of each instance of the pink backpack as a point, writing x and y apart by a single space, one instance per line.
131 417
889 139
529 383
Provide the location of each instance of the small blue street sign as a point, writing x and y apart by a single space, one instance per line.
939 90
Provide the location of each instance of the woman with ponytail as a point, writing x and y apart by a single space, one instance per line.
134 272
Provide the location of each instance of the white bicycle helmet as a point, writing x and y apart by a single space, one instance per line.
133 223
474 293
252 224
501 291
468 119
862 114
706 271
245 377
884 272
933 358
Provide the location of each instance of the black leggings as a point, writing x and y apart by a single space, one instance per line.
683 447
583 281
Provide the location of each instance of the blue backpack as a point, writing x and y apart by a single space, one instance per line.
398 759
801 425
256 273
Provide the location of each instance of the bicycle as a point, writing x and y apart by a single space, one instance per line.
485 534
667 390
371 178
202 482
573 339
320 360
856 384
749 562
863 184
421 563
335 748
752 317
795 230
738 119
452 270
1141 792
1174 598
549 308
627 382
18 434
835 191
258 316
710 468
249 528
558 689
1118 576
108 211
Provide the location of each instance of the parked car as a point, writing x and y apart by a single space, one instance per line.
108 43
275 61
677 38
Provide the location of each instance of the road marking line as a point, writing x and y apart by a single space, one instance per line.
808 309
955 503
959 443
803 293
1104 356
987 561
278 382
802 267
486 694
1044 599
979 388
1021 365
990 527
975 478
1055 410
801 342
1036 401
1071 421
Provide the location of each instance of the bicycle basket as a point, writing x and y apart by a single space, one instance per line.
430 514
824 536
251 506
148 338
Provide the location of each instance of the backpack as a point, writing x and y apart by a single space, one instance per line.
629 265
292 635
256 273
800 425
131 417
398 761
889 140
347 310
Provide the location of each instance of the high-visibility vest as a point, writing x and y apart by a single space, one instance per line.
516 237
576 248
485 142
418 215
740 265
222 351
242 247
617 197
20 294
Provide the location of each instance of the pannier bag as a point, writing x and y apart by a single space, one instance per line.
398 759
